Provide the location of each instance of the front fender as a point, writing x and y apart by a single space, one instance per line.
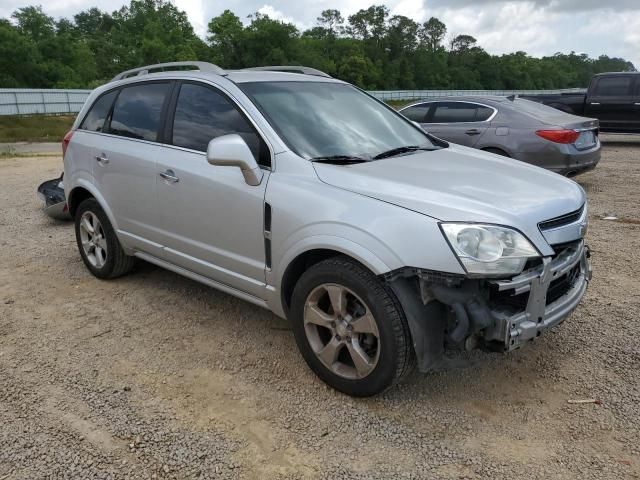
341 244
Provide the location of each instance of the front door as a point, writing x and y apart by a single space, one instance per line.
211 220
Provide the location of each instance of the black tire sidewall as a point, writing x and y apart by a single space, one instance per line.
385 371
92 205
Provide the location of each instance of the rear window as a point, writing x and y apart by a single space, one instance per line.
535 109
417 113
613 86
137 111
94 121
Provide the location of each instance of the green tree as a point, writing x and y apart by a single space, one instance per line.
431 34
372 49
226 34
34 23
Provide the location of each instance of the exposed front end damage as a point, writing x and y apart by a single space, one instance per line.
453 311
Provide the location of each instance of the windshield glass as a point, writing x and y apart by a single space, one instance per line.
323 119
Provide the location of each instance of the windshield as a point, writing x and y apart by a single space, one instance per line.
324 119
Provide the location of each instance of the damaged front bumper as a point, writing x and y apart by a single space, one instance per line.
452 311
549 293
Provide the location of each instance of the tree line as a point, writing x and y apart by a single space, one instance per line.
371 48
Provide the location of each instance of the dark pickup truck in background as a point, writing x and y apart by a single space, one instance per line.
612 98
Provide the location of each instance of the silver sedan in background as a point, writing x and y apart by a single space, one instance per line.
513 127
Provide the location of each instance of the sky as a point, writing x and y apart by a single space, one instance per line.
538 27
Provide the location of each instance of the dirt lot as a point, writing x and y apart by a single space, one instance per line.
156 376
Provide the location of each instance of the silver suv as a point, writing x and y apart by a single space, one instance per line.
382 245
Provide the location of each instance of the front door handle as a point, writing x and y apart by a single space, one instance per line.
473 131
637 104
595 103
102 159
169 176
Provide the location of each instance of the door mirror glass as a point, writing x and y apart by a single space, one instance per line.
232 151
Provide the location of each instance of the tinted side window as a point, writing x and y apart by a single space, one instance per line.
637 89
614 86
454 112
483 113
417 113
203 114
94 121
137 111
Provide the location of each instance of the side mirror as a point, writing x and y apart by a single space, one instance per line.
232 151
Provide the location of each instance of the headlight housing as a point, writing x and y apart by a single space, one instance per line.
489 250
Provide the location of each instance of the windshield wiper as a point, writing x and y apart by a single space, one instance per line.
400 150
341 159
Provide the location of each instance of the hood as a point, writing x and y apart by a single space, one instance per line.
462 184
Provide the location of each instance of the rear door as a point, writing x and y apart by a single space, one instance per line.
125 169
212 221
458 121
611 101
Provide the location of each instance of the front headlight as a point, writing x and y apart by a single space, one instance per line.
489 249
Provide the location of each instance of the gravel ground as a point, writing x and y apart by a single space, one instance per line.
155 376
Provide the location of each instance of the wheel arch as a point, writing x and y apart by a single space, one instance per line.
302 259
492 148
83 190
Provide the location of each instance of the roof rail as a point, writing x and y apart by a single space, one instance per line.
202 66
292 69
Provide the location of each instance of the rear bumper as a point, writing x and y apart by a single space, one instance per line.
563 159
52 196
512 329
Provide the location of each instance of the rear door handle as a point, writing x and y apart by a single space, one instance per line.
169 176
102 159
595 103
473 131
637 104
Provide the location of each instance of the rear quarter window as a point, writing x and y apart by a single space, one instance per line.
94 121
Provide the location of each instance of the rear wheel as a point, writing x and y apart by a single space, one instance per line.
98 244
350 328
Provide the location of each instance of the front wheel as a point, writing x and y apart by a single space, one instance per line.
350 328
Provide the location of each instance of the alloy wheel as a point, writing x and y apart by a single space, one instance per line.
94 243
341 331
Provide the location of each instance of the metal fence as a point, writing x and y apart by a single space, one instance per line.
420 94
22 101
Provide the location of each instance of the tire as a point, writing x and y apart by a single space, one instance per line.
497 151
104 256
370 309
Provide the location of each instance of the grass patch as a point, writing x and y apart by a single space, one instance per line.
34 128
